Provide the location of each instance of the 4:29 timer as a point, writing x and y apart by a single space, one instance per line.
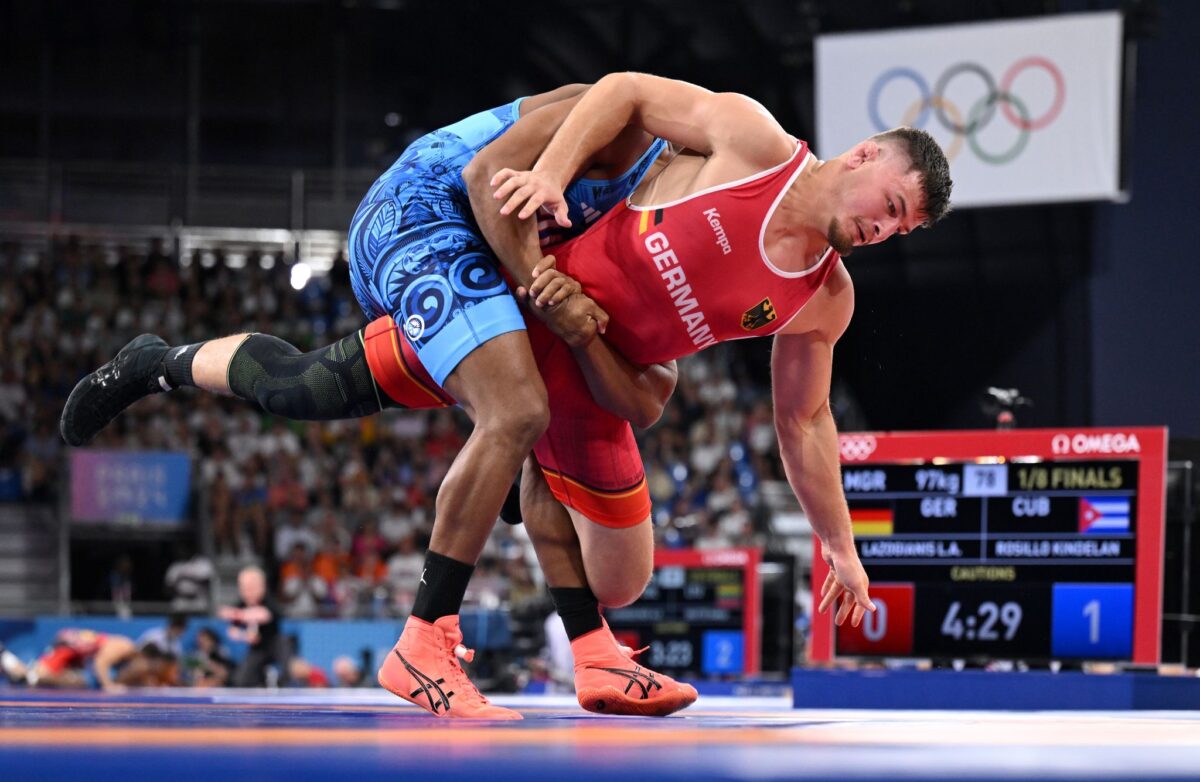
997 620
991 621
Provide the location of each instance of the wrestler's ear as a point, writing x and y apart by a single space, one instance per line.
862 152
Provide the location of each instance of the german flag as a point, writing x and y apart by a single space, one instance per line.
871 522
644 221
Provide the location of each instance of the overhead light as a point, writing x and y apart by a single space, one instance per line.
301 272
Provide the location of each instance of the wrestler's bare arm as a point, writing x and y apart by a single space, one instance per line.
515 242
636 393
573 317
565 92
627 390
708 122
734 133
801 371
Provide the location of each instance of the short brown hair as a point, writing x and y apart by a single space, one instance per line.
930 162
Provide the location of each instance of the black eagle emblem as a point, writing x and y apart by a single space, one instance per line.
759 315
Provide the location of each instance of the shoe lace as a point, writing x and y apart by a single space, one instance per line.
457 677
630 652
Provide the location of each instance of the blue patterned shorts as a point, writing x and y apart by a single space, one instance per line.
416 255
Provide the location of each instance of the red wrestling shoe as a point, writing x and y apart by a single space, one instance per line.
423 668
607 681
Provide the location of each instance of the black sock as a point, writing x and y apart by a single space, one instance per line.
177 364
578 608
443 584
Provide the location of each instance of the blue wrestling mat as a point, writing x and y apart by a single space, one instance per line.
368 735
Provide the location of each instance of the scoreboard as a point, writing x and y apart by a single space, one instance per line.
1024 544
699 616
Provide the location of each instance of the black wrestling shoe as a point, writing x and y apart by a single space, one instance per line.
135 372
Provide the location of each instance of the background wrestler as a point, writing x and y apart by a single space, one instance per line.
62 667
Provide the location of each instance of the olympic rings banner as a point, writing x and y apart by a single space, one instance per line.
1027 111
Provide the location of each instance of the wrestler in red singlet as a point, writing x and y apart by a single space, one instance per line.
674 279
72 649
678 277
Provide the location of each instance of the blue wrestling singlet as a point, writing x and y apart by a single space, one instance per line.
416 253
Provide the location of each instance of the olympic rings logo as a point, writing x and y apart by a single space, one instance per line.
950 116
855 448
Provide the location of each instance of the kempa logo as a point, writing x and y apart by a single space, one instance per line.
714 220
855 448
1083 443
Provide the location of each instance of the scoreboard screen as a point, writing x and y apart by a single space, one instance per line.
699 616
1027 544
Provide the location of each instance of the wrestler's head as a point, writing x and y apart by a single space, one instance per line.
893 182
150 667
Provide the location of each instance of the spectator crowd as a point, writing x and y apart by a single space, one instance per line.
338 513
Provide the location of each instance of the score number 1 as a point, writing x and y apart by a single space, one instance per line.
985 618
1092 612
1092 621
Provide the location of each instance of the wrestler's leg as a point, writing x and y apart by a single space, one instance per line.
606 679
614 564
497 382
499 385
69 679
551 532
439 282
330 383
619 561
210 366
338 382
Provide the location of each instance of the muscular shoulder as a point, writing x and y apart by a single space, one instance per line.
829 311
748 130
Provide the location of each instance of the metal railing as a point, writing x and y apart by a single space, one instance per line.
135 194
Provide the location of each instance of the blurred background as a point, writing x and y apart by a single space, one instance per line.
190 168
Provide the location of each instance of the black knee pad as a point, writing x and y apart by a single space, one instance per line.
327 384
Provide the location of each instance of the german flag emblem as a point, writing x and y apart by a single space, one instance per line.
644 220
759 315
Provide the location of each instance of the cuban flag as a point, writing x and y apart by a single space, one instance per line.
1103 515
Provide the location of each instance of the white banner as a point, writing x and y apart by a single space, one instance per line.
1027 111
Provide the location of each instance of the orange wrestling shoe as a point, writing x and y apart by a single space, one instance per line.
607 681
423 668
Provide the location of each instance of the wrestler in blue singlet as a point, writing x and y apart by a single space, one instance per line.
417 255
